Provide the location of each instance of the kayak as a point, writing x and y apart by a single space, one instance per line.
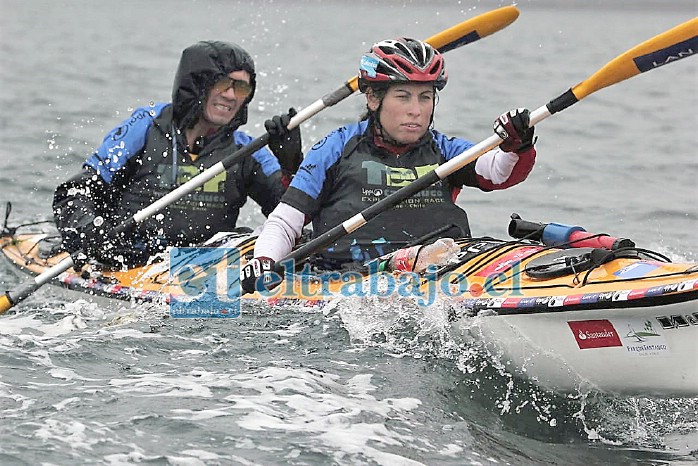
604 315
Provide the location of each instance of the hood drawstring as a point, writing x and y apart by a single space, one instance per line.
175 155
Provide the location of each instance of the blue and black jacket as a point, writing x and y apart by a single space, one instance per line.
147 157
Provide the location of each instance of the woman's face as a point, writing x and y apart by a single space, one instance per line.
406 111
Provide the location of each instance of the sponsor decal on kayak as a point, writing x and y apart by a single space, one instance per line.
636 270
507 261
637 294
641 337
527 302
589 298
556 301
573 299
511 303
594 333
655 291
675 321
688 285
621 295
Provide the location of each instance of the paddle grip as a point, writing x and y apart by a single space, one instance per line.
562 101
338 95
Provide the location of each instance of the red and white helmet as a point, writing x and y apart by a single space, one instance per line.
402 60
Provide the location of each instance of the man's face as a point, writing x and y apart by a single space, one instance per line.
226 98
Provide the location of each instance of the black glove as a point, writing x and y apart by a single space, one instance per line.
80 260
82 240
285 143
94 239
255 268
512 127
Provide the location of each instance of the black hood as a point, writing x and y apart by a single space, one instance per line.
200 67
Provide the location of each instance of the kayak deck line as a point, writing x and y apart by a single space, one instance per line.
490 274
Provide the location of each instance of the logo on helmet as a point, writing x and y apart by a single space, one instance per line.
369 65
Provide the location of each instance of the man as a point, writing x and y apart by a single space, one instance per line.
360 164
162 146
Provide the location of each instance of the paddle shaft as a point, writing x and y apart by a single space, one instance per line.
456 36
675 44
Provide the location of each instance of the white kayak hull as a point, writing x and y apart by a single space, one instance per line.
632 351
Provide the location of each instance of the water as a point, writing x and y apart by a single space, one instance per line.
355 384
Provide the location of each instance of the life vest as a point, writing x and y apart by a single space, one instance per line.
365 174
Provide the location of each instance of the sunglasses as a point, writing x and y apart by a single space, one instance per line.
241 88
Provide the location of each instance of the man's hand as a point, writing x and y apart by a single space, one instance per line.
96 240
285 144
86 240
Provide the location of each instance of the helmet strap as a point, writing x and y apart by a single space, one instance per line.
374 117
433 110
384 137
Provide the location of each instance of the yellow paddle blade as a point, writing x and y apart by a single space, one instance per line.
668 47
473 29
463 33
5 304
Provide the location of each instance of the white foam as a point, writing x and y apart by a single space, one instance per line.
356 439
292 330
67 374
128 459
451 449
201 415
322 405
61 405
74 433
184 461
24 402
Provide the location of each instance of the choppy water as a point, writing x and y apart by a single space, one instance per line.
354 384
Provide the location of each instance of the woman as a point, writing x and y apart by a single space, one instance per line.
362 163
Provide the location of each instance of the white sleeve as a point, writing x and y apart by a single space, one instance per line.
496 165
280 232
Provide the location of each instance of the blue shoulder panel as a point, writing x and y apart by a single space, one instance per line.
325 153
124 141
263 156
450 146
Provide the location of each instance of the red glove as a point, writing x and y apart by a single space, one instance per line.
512 127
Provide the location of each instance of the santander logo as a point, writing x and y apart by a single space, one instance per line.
594 333
604 334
